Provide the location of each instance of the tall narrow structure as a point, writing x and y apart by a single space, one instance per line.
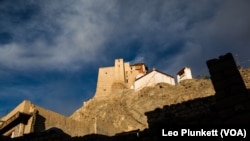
225 76
121 72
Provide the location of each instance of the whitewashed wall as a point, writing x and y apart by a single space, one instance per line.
152 79
186 75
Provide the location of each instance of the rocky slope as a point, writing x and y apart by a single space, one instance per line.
123 110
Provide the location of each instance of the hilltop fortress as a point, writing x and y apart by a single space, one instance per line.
121 72
223 99
135 76
29 118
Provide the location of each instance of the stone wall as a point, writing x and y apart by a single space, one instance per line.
225 75
245 74
46 119
41 119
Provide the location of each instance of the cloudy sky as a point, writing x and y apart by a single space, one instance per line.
50 51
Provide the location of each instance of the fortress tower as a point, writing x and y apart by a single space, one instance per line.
121 72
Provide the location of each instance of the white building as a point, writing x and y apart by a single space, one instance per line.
184 73
152 78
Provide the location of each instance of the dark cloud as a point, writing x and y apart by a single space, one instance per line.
5 38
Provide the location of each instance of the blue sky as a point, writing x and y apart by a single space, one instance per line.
50 51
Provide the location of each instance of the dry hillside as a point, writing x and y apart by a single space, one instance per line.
124 109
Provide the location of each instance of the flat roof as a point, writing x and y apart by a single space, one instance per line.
17 118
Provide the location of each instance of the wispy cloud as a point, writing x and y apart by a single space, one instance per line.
67 34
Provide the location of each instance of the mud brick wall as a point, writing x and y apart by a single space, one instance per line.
225 75
210 111
246 77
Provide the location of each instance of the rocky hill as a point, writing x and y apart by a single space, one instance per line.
124 109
